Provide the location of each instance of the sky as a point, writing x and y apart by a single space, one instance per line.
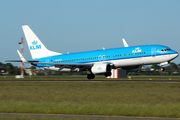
84 25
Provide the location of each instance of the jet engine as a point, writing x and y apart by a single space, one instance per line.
101 68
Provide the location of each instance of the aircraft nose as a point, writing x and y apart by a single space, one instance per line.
177 54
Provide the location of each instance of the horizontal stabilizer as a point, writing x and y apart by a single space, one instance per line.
29 61
22 59
12 61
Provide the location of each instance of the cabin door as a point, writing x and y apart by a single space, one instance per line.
153 52
47 61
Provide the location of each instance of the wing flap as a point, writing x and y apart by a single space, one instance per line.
68 65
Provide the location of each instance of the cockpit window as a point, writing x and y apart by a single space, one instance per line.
165 49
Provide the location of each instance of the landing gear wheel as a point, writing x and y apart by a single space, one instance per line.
107 74
162 69
90 76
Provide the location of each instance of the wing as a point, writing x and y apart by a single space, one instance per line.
72 66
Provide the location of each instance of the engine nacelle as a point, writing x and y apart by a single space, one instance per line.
164 63
101 68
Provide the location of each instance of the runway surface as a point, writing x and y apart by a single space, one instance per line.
59 116
156 81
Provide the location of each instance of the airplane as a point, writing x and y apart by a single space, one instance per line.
97 61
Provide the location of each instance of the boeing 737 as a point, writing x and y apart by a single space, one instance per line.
98 61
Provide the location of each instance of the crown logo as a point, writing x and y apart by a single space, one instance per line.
34 42
99 68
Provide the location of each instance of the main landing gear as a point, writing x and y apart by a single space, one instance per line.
90 76
107 74
162 69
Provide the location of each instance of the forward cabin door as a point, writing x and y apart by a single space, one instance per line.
153 56
153 52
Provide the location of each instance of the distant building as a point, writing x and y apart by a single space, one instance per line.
118 73
30 72
3 70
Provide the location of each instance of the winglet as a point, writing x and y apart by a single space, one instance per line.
21 57
125 43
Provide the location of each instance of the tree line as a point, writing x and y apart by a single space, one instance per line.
156 69
10 69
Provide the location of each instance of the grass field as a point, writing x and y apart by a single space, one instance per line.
91 98
30 118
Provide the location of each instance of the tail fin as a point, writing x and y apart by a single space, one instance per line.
36 47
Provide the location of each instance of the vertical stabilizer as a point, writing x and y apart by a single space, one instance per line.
125 43
36 47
